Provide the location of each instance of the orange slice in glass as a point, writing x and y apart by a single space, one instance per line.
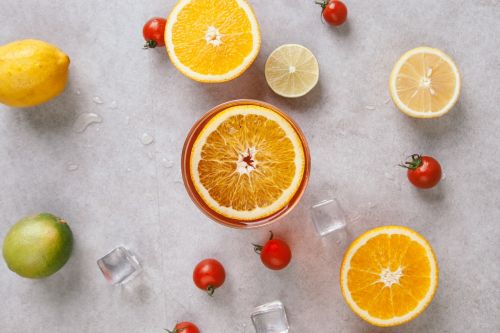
247 162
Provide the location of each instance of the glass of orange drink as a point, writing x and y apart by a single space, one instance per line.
245 164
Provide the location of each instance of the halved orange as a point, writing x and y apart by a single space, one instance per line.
247 162
389 275
212 40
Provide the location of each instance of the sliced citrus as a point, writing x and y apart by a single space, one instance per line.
212 40
247 162
389 275
425 83
292 70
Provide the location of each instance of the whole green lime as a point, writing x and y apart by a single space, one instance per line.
38 246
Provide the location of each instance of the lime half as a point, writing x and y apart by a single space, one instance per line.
292 70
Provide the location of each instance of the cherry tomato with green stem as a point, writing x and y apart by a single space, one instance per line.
184 327
275 254
154 32
334 12
209 275
423 171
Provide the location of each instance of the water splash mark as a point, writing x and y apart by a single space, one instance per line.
72 167
147 139
85 120
97 100
168 164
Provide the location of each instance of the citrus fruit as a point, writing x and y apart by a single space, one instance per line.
292 70
247 162
425 83
38 246
212 40
32 72
389 275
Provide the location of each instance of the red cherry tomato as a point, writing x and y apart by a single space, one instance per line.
209 275
185 327
423 171
334 12
154 32
275 254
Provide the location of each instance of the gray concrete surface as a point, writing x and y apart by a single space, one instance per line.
125 193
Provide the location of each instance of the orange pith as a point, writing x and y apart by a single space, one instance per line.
247 162
389 275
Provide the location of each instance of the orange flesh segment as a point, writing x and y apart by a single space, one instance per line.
395 251
190 31
274 161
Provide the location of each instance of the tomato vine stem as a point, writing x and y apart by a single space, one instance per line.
416 161
258 248
210 290
150 44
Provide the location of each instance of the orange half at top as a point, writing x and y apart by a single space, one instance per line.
247 163
212 40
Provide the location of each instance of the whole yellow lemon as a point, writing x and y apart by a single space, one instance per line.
31 72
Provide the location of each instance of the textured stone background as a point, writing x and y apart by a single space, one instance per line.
130 194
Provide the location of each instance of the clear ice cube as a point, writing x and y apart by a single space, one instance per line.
328 216
119 266
270 318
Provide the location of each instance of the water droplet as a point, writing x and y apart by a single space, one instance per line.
371 205
150 155
443 177
85 120
72 167
371 107
388 176
147 139
149 197
113 105
354 218
127 120
129 170
77 92
167 163
97 100
387 101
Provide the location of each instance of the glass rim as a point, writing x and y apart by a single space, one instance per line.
200 203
